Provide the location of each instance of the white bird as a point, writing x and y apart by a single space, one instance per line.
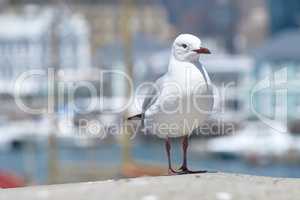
181 100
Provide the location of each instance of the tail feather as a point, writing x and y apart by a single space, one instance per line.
136 117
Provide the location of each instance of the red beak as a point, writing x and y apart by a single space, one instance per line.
202 51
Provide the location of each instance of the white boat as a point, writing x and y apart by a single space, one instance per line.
21 131
255 140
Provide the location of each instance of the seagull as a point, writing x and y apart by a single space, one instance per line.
181 100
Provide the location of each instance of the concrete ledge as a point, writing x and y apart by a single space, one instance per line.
218 186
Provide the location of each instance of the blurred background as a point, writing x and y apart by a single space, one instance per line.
76 40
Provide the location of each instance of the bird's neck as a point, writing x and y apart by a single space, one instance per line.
178 67
192 70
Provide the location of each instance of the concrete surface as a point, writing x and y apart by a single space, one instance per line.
217 186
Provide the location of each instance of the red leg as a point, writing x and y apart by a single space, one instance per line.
185 144
168 150
183 169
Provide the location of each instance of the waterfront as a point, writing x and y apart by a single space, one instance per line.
109 154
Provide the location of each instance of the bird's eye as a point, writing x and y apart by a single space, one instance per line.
184 46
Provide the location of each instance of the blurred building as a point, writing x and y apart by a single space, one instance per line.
278 62
283 15
253 25
277 59
232 76
3 4
236 25
207 18
26 43
105 18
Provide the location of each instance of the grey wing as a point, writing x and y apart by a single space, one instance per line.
204 72
152 94
212 105
210 88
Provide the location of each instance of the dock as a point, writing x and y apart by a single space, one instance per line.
219 186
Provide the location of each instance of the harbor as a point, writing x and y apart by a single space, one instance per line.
77 80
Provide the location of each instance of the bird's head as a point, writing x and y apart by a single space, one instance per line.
187 47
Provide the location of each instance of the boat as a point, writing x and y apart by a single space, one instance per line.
255 142
9 180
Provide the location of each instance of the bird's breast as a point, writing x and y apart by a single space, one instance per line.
189 79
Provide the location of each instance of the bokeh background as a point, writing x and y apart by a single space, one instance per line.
73 41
